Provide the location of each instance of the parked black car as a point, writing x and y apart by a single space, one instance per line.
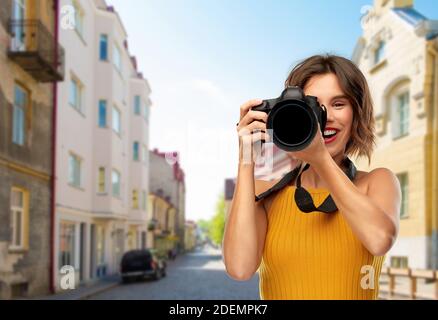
138 264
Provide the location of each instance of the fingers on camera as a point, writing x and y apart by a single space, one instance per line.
251 117
248 105
254 136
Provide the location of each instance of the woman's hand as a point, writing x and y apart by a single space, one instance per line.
314 152
251 129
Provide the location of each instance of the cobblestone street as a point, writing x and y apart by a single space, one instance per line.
199 275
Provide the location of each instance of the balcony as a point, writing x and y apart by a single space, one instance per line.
32 47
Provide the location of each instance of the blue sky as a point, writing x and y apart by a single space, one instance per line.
203 58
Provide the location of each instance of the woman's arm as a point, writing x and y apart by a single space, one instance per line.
246 224
245 228
374 217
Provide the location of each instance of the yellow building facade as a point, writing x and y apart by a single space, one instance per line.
162 233
397 52
31 60
190 236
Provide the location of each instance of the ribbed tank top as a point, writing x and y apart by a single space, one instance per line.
314 255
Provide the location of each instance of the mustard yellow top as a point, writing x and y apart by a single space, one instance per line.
314 255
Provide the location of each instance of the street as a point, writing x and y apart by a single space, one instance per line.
199 276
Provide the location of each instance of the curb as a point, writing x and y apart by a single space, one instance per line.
97 291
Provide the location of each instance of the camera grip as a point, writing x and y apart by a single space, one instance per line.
261 107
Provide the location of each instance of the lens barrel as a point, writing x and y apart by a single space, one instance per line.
293 119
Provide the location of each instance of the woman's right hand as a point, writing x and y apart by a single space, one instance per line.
251 129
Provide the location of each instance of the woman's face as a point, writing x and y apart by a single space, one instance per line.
339 110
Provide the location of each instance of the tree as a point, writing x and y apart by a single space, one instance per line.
217 224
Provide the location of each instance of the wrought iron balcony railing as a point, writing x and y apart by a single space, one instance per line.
33 47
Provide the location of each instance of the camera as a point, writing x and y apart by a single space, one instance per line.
293 118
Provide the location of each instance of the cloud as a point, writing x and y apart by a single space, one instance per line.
212 90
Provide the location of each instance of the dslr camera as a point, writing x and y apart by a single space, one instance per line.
293 118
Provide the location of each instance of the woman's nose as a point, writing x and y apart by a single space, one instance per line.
329 114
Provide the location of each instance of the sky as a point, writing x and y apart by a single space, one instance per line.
204 58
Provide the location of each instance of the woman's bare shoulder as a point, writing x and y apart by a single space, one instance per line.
364 179
263 185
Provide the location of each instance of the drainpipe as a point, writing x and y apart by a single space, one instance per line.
434 173
53 151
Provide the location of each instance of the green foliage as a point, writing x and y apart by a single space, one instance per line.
214 228
218 222
204 225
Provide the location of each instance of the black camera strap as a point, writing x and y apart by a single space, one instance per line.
288 178
303 199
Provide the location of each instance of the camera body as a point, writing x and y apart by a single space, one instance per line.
293 118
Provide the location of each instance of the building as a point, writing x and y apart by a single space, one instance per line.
397 52
166 202
230 186
190 235
31 61
102 146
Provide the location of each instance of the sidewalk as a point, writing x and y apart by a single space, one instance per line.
85 291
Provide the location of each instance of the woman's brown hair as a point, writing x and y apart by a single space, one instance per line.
355 87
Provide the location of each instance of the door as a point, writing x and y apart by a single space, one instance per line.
118 248
82 251
17 27
92 251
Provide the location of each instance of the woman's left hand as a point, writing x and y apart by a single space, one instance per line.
314 152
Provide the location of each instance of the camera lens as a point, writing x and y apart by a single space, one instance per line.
293 126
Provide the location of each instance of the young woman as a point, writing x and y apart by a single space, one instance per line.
316 255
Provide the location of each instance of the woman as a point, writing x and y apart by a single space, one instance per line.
316 255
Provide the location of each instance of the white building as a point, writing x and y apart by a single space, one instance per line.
398 54
102 146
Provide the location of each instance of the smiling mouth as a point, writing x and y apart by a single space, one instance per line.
330 134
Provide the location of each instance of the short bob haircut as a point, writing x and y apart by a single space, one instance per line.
354 86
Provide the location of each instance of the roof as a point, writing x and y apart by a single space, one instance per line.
416 19
410 15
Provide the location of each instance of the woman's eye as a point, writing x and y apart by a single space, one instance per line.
339 105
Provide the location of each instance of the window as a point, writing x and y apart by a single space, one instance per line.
400 115
103 47
403 179
21 101
399 262
135 199
136 151
116 183
19 218
101 180
117 60
79 19
74 170
145 154
403 107
137 105
100 245
102 113
18 14
143 202
116 120
379 52
145 112
75 98
67 244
